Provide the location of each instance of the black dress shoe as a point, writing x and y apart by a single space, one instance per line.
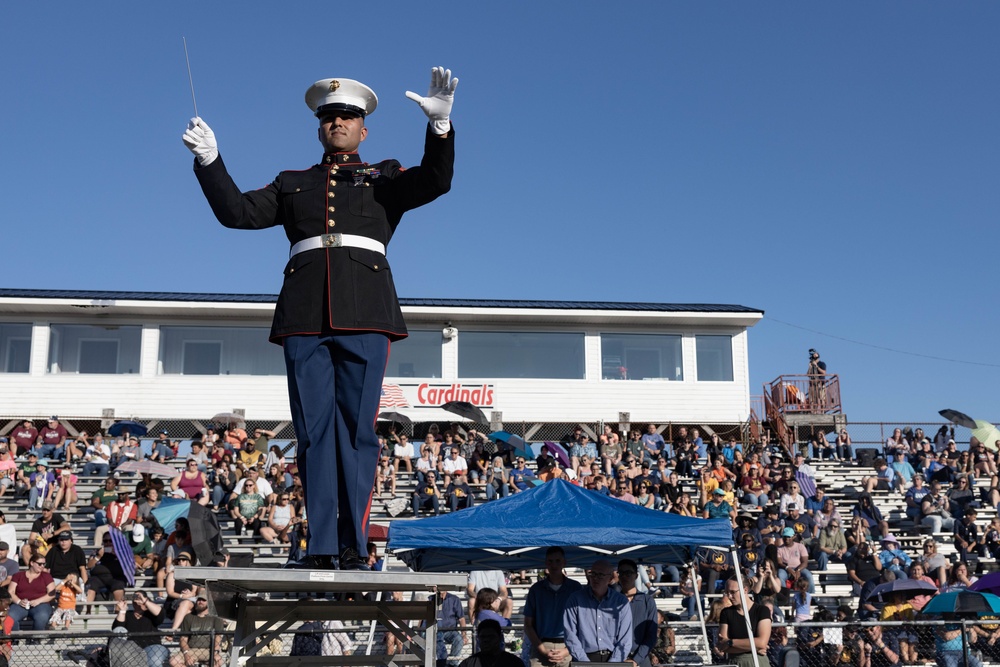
312 562
350 560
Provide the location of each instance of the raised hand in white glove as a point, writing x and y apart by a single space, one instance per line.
200 140
440 97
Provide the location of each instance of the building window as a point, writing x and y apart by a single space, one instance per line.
715 358
218 351
641 357
495 354
416 356
81 348
15 346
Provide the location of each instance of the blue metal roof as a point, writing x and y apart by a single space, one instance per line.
105 295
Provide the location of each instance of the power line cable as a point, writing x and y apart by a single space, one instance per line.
883 347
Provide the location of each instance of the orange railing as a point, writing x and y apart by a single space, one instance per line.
804 394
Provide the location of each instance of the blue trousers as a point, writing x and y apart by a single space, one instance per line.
334 388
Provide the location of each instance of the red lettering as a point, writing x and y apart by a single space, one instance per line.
421 396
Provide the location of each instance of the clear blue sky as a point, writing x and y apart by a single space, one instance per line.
834 164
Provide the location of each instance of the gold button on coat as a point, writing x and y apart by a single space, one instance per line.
332 209
332 223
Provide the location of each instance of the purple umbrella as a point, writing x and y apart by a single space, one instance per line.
559 452
988 583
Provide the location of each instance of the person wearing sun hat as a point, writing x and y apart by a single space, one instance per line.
337 311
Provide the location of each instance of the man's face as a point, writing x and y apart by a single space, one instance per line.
200 606
342 132
555 563
489 640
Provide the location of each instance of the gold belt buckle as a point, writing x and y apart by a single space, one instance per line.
333 240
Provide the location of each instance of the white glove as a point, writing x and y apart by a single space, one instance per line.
440 97
200 140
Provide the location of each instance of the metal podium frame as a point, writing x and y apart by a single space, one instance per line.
256 599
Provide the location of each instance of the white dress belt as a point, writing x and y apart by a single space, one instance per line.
336 241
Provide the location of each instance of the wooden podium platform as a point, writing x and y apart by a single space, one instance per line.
267 602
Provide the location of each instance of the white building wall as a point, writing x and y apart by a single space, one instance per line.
149 394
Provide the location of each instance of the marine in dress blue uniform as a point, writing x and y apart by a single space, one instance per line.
337 312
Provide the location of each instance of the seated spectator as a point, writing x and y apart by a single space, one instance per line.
426 463
144 511
102 498
66 495
66 593
893 558
8 536
192 483
600 485
961 495
967 538
163 449
621 492
97 459
130 450
52 440
25 471
427 495
684 506
653 443
718 508
843 446
142 624
755 489
917 573
914 496
223 483
106 574
882 480
497 480
714 566
43 529
403 454
521 477
249 511
959 578
793 559
458 492
181 594
453 465
42 486
487 607
281 517
249 456
935 565
867 511
195 646
936 510
644 496
385 476
31 594
832 545
264 487
804 526
827 512
65 559
142 548
792 496
121 513
8 468
479 463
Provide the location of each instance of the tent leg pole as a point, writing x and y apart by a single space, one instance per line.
745 603
696 585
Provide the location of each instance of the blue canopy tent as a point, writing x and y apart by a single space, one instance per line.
513 533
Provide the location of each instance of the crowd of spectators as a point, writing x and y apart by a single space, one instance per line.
786 529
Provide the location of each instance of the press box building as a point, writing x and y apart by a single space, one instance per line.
173 356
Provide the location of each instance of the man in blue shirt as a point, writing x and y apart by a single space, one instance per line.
451 615
544 633
521 477
653 443
598 619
